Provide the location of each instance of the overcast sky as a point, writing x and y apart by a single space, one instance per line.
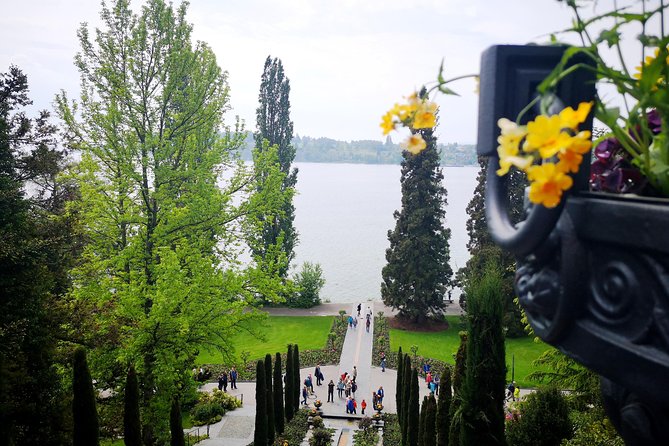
348 61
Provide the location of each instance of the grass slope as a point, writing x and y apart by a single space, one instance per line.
443 345
309 332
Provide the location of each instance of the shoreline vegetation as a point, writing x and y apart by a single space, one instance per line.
328 150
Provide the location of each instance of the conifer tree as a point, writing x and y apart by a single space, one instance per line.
278 396
406 396
421 422
483 391
458 380
260 433
418 275
398 384
443 419
275 127
429 431
413 408
84 413
132 427
290 382
269 399
176 426
297 383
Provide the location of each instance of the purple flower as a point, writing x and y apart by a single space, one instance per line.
654 122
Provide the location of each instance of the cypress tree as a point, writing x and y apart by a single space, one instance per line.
296 378
413 416
421 422
416 284
485 374
278 396
269 399
132 427
260 434
458 379
430 429
275 127
288 395
398 384
406 394
176 428
443 418
84 413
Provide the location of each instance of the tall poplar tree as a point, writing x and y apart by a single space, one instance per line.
417 275
161 221
297 383
398 384
443 418
413 424
455 414
132 426
483 391
84 413
279 237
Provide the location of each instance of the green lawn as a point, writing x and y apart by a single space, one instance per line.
443 345
309 332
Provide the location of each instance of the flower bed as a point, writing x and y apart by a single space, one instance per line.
382 344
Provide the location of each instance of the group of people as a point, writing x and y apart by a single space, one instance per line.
227 377
431 379
513 392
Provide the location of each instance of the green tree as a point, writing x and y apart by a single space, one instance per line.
176 427
297 383
308 283
288 396
406 396
483 390
155 278
269 400
84 413
278 396
483 250
132 427
260 433
275 127
543 421
413 426
455 414
430 429
421 421
417 274
38 245
443 418
398 384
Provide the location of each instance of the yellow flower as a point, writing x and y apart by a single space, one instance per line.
572 156
387 123
547 184
414 144
545 135
571 118
508 149
424 120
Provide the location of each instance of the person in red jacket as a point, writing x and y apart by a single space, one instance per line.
364 406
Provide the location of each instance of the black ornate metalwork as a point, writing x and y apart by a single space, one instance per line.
593 275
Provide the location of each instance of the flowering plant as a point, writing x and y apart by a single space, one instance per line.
631 154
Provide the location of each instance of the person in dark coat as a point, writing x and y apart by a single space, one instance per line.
225 381
220 381
331 386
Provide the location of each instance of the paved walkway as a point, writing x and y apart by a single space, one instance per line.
236 427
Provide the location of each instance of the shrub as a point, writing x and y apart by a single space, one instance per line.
295 429
544 420
367 435
317 421
593 428
207 413
321 437
308 282
392 435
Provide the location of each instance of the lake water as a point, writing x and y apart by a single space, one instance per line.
343 213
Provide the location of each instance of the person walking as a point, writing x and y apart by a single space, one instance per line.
331 386
383 364
225 381
516 393
354 387
367 324
348 387
304 395
349 405
355 406
428 378
363 406
233 378
220 381
355 373
379 395
359 308
435 381
510 390
350 322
